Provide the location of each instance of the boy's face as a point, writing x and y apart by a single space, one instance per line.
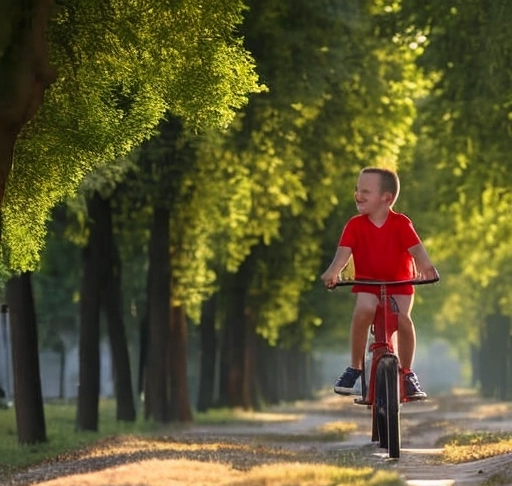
369 196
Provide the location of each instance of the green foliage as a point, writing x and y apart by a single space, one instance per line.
461 169
358 113
401 84
121 67
468 51
276 185
481 272
278 182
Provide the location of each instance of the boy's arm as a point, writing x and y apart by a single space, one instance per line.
425 267
339 262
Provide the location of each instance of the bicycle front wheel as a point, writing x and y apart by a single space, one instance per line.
387 404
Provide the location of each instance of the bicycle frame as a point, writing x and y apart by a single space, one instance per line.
384 391
385 324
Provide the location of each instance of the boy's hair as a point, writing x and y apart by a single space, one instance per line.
389 181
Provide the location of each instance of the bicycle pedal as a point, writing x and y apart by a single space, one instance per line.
415 399
361 401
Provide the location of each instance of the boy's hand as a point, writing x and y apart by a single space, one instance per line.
329 279
331 276
428 273
424 267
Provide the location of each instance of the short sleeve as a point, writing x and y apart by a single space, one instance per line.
348 235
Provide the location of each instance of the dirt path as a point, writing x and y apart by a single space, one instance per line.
423 426
423 423
213 455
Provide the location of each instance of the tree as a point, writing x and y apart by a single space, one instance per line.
90 307
101 291
311 135
208 353
121 66
166 161
156 390
112 304
463 149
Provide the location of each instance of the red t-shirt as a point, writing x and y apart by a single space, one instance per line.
381 253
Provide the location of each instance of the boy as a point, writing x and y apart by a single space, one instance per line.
384 246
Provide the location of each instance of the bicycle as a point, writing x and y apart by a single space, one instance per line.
384 392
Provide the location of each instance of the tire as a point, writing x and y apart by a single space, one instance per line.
380 423
364 383
387 405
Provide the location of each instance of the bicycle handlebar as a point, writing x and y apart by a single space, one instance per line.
413 281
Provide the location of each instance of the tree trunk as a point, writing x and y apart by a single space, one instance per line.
300 374
287 374
208 355
180 403
26 74
251 387
230 393
475 365
112 304
159 274
269 372
284 382
233 391
143 354
101 289
62 371
89 347
27 380
495 356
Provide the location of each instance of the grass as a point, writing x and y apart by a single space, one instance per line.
221 416
61 435
279 466
317 475
203 461
465 447
329 432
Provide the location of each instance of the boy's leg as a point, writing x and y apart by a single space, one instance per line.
406 333
407 346
364 310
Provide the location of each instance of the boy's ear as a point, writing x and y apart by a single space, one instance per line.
388 196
